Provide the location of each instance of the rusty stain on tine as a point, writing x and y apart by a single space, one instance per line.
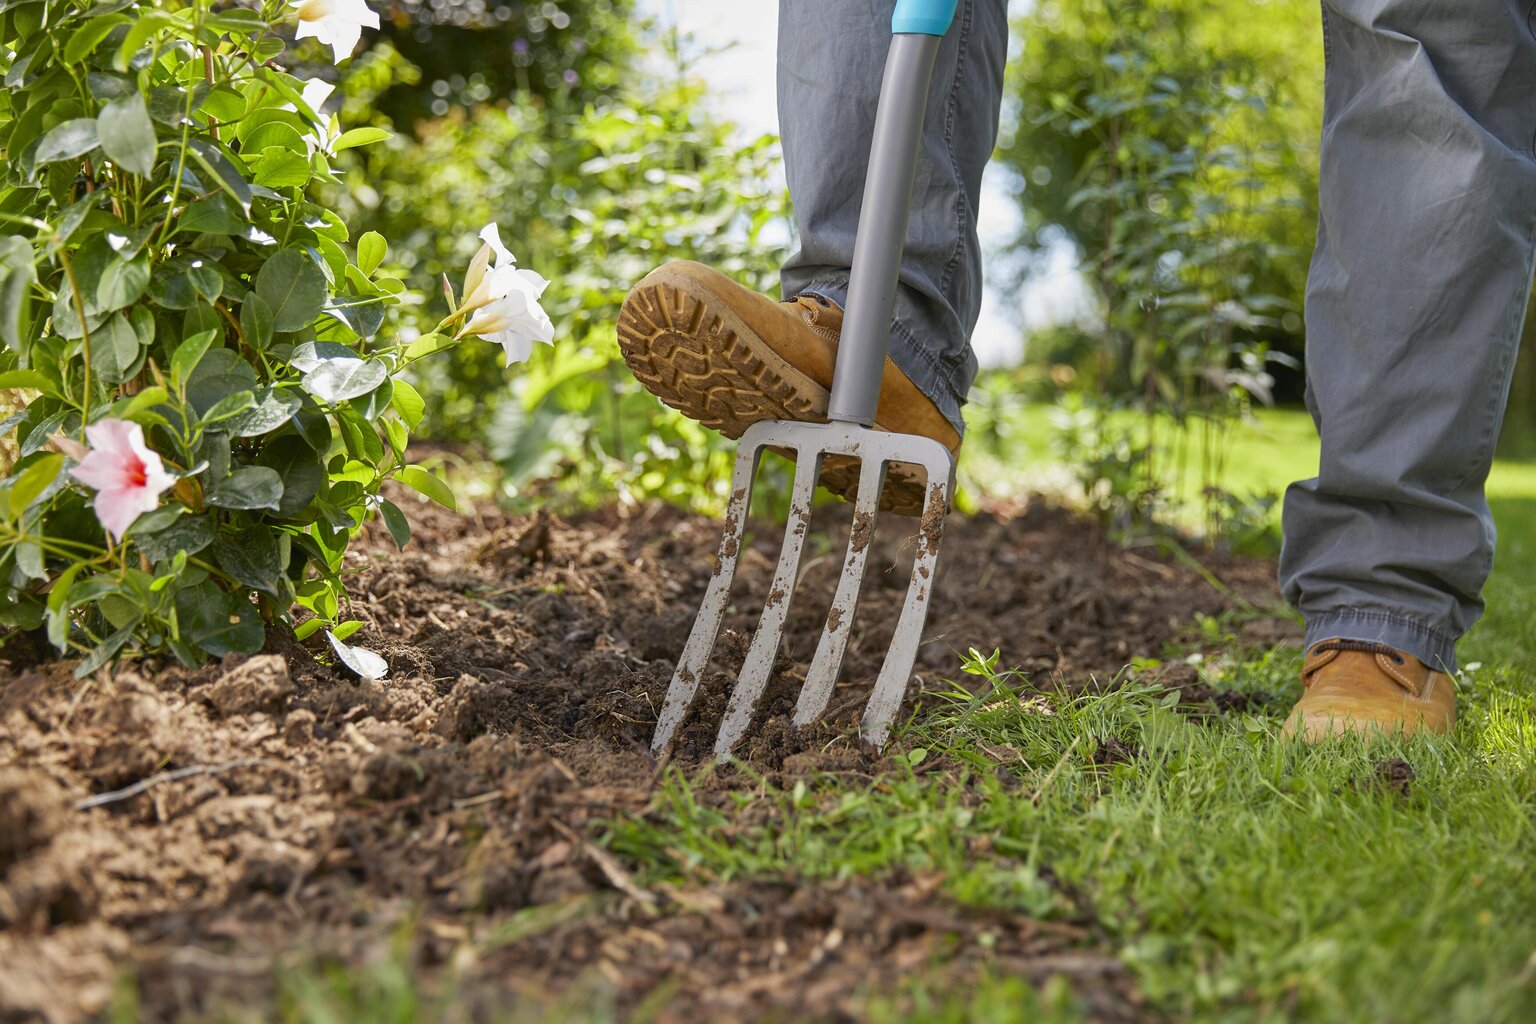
701 640
821 677
757 667
891 686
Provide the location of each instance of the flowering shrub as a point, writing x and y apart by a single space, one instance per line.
213 403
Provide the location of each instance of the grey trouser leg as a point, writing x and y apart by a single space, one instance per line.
831 55
1418 288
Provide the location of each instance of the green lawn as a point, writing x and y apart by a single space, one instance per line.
1243 878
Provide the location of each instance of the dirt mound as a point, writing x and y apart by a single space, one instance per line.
189 827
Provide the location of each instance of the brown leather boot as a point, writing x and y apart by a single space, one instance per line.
1354 686
726 356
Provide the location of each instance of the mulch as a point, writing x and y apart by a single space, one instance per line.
281 813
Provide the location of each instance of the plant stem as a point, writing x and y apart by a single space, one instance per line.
85 337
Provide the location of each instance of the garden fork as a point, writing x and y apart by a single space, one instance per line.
918 26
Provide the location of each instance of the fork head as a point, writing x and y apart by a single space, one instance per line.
810 443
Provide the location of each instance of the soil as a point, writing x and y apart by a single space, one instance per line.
204 833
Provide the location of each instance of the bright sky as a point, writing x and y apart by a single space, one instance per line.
741 80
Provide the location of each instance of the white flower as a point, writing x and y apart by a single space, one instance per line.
504 301
316 92
336 23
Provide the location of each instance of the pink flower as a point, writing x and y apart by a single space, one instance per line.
128 478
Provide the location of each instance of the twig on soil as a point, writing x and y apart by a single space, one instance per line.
608 865
143 785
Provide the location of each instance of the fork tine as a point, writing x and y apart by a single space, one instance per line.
821 677
701 640
891 686
770 628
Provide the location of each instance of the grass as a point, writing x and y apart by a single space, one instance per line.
1241 877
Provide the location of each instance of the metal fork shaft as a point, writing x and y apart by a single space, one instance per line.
883 215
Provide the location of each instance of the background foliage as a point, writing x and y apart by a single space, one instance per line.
594 195
1172 147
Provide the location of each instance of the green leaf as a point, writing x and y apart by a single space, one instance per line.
168 104
217 622
371 250
16 304
346 629
155 520
314 428
308 628
428 344
299 468
251 557
149 22
256 321
128 135
293 287
252 487
188 354
395 522
419 479
214 214
408 403
237 22
59 605
33 481
109 281
336 380
222 171
363 316
251 124
307 355
128 408
372 405
360 137
188 534
274 133
107 650
230 405
68 141
115 349
89 36
270 410
361 439
279 167
30 379
399 436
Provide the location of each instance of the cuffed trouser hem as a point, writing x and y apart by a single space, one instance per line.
911 358
1431 646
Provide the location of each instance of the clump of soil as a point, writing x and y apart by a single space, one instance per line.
188 827
1394 775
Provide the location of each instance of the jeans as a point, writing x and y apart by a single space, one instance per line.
1418 287
831 55
1417 291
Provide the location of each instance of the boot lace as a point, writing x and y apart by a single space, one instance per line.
1363 646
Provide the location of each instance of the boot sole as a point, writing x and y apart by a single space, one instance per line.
709 365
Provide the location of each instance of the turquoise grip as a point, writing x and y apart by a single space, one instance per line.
923 17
